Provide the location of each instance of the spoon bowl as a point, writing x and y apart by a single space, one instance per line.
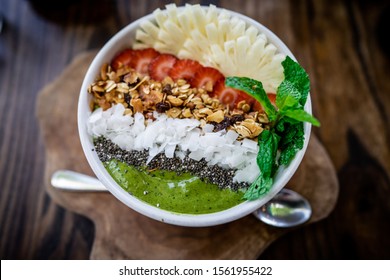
286 209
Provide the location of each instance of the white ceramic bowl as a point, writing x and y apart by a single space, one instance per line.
122 40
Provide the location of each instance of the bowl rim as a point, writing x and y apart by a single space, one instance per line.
282 177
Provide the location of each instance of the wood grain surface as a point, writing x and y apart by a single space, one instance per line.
124 234
343 45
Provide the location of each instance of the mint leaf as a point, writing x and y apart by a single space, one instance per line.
255 89
287 100
258 188
283 124
301 115
291 133
294 73
287 96
268 147
292 140
266 160
287 155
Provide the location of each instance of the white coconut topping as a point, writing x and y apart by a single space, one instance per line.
176 137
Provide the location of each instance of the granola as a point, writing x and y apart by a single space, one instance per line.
140 93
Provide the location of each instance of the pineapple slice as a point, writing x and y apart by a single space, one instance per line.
216 39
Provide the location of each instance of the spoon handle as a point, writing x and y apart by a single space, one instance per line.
73 181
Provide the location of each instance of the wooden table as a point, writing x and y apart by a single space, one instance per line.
341 44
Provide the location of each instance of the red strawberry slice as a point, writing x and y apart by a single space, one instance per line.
272 98
184 69
230 96
160 66
206 77
257 106
121 59
139 60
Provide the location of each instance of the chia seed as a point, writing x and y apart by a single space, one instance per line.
107 150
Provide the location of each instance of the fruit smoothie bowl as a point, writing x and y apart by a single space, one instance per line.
194 116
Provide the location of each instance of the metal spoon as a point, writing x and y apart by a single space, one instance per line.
286 209
74 181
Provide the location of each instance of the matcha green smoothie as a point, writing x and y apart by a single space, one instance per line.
180 193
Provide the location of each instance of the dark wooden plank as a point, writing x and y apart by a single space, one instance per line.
26 66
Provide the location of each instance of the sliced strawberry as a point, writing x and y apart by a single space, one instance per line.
159 67
257 106
272 98
121 59
142 58
139 60
184 69
206 77
228 95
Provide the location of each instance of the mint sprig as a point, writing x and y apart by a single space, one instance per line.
286 133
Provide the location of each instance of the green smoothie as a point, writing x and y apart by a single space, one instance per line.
167 190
